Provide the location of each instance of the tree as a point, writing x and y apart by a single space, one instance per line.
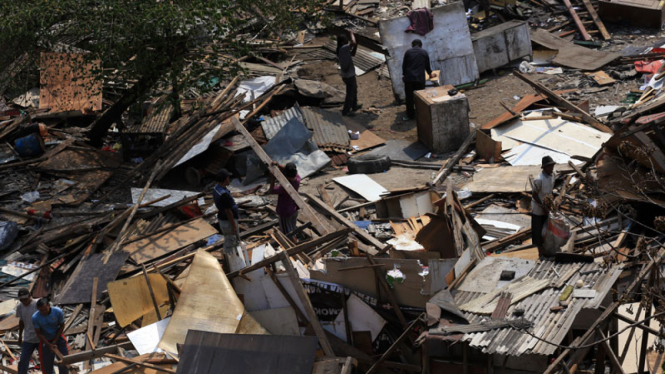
172 45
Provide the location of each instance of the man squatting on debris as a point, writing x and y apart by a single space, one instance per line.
345 51
542 186
227 214
287 210
49 324
414 65
27 336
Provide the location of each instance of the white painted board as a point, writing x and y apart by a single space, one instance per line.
155 193
281 321
361 317
146 339
362 185
557 134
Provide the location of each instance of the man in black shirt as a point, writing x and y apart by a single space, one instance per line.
414 65
345 50
227 214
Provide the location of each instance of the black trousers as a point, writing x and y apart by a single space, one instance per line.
351 100
409 89
537 224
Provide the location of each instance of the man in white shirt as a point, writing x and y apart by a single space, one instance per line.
542 186
27 337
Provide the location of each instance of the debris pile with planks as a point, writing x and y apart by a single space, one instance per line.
425 275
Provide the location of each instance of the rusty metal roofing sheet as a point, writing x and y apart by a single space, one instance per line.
271 126
365 59
548 325
330 133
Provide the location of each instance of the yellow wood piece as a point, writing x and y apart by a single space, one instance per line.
209 303
131 298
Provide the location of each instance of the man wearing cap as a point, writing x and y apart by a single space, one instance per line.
49 324
27 337
542 186
287 210
227 208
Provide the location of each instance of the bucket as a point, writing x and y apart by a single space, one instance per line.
29 146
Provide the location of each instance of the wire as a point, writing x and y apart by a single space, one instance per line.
594 343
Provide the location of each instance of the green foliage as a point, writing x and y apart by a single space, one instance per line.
181 40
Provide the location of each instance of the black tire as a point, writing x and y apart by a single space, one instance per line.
368 165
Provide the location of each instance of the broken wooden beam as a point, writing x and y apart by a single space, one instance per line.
576 19
307 305
448 167
139 363
89 355
392 348
558 100
340 218
306 211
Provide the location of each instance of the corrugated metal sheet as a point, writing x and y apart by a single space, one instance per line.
272 125
365 59
548 325
330 133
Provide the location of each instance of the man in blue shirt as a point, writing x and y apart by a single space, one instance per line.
49 324
227 208
415 64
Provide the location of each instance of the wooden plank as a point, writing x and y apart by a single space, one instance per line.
307 304
152 294
144 364
163 243
92 315
488 148
610 353
576 19
340 218
72 317
596 19
452 162
306 211
88 355
563 102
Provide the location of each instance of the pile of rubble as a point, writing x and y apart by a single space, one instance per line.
400 262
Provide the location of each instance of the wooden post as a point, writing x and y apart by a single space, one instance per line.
93 310
280 287
152 294
391 296
610 353
393 347
306 211
645 336
307 304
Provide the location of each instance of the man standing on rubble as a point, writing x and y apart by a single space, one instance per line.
27 337
49 323
287 210
415 64
542 186
227 208
345 50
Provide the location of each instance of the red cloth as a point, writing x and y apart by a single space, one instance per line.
422 21
648 67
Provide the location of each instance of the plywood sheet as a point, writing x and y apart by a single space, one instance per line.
527 254
9 323
78 288
557 134
131 298
487 148
166 242
362 185
571 55
68 82
503 179
207 303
